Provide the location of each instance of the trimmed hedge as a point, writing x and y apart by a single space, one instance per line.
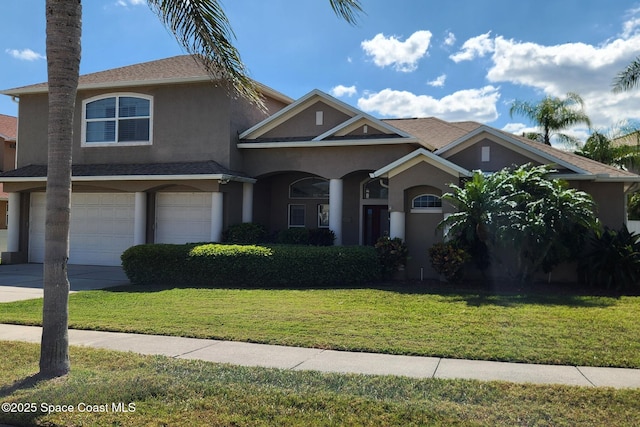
249 265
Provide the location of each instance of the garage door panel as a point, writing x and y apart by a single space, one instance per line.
101 227
183 217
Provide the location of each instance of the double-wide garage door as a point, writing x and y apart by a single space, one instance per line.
101 227
102 224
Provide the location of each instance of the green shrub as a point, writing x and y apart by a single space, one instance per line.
392 255
321 237
247 233
235 265
448 260
294 236
613 260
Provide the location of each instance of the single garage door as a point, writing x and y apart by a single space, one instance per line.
183 217
101 227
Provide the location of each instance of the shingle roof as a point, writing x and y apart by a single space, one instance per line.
125 170
8 127
432 132
436 134
177 69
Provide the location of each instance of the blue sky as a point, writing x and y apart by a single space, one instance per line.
456 60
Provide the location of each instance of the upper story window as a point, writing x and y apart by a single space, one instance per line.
426 203
123 119
309 188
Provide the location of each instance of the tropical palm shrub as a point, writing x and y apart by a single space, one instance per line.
533 222
613 260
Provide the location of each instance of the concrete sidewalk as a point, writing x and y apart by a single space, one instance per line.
295 358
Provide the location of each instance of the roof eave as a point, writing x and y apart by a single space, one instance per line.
84 178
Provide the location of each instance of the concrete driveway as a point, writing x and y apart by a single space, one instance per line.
24 281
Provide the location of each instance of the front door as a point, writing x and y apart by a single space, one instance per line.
375 221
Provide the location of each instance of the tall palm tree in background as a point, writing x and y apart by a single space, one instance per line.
201 26
553 115
628 78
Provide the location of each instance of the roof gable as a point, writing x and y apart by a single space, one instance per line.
348 123
418 156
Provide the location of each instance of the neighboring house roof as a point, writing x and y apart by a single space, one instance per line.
8 127
178 69
132 172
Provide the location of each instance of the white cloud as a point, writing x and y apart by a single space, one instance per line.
450 39
340 91
470 104
25 54
439 81
474 47
125 3
404 56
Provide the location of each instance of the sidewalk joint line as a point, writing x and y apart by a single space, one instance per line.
585 377
322 350
437 366
194 350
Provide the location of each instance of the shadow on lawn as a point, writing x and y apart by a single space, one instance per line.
474 293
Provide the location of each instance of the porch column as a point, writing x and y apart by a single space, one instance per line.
140 219
335 209
396 224
13 223
247 202
217 213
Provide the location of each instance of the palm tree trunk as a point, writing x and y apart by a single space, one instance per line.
63 66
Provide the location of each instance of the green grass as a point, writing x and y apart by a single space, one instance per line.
172 392
574 330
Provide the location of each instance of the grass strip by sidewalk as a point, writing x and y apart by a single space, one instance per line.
166 391
568 330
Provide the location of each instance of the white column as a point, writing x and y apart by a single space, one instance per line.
13 224
396 224
247 202
140 219
217 214
335 209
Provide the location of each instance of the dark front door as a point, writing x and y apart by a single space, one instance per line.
375 220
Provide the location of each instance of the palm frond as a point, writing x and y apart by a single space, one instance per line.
347 10
628 78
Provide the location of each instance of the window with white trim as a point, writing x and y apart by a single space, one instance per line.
427 203
123 119
297 215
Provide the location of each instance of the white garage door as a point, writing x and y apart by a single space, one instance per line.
183 217
101 227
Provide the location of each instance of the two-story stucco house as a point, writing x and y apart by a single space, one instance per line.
163 154
8 133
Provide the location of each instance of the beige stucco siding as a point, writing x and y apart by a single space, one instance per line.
191 122
500 157
327 162
609 198
304 123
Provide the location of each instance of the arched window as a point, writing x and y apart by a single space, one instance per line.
309 188
124 119
426 203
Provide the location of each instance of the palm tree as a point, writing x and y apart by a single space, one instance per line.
628 78
201 26
552 115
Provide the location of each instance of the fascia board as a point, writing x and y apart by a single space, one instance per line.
328 143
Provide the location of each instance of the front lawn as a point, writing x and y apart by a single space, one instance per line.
159 391
572 330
